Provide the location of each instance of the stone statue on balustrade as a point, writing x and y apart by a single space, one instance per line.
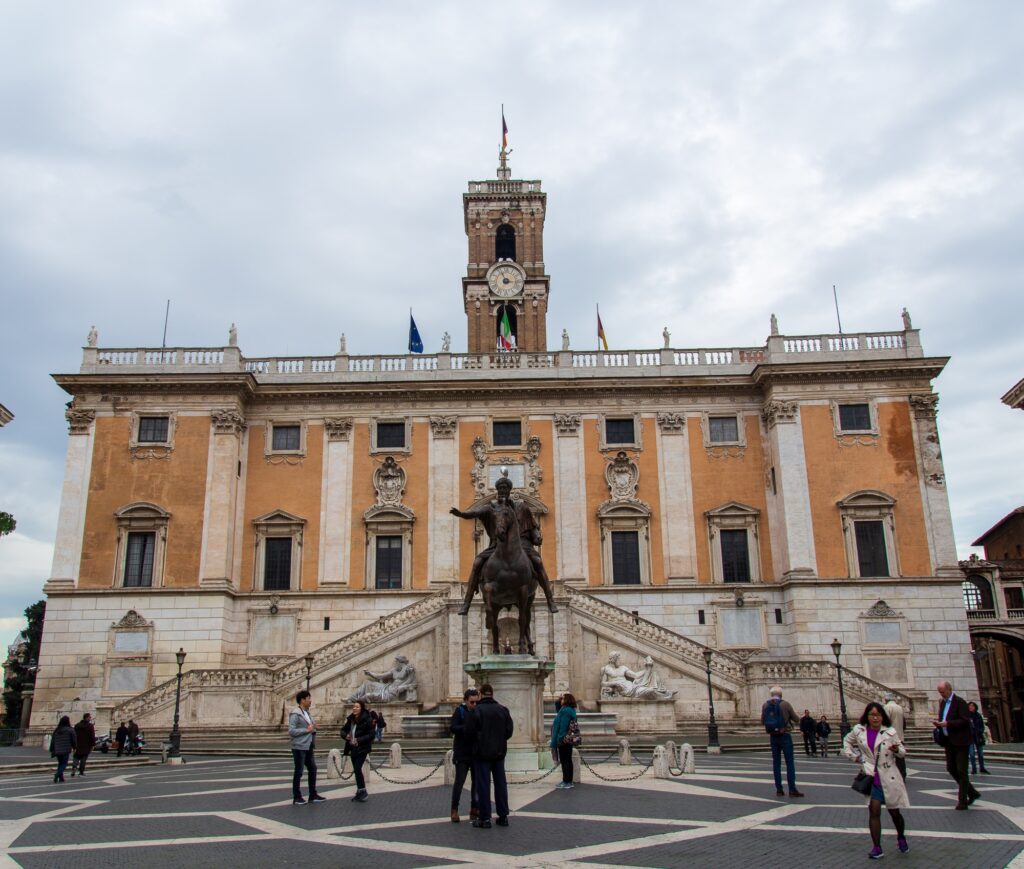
397 685
618 680
93 337
446 343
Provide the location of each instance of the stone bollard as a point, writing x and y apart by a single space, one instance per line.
672 753
449 768
395 756
577 766
335 763
625 755
687 762
661 762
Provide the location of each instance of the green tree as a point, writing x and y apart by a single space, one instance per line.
7 523
20 668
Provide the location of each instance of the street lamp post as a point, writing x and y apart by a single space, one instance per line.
309 668
844 722
713 746
174 755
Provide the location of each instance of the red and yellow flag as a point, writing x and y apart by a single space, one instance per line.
504 131
601 339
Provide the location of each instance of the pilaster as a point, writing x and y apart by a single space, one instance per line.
336 517
570 498
219 509
67 551
932 473
677 527
442 527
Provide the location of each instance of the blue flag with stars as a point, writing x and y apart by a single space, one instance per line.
415 342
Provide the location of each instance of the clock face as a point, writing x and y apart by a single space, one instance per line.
506 281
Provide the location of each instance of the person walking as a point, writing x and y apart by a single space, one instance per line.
895 713
358 733
62 743
121 737
133 737
302 730
953 728
976 750
489 727
85 739
462 755
823 729
561 741
379 725
777 715
808 727
875 745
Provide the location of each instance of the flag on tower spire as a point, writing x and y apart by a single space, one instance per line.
504 130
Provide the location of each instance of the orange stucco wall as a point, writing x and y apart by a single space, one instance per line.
177 484
835 471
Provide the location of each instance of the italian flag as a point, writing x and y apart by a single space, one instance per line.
505 338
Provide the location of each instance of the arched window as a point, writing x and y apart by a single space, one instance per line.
977 593
505 243
501 342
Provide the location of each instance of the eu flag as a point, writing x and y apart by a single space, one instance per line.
415 342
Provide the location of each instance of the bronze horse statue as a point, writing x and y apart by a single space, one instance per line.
507 579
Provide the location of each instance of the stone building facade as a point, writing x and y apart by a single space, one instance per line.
757 501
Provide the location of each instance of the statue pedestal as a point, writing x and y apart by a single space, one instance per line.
518 682
641 716
334 714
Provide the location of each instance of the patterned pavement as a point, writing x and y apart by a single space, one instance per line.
216 812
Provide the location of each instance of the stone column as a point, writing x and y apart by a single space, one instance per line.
74 496
221 500
677 528
443 488
336 514
570 499
793 499
938 520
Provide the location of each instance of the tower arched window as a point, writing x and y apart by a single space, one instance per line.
505 243
977 593
502 342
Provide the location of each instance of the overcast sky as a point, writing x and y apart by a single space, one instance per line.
281 164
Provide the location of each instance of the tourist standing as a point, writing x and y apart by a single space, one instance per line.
133 736
462 755
561 742
875 745
302 730
808 728
379 725
358 733
85 739
777 715
62 743
823 729
121 737
895 714
977 747
489 727
953 727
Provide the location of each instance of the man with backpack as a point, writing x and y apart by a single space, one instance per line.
777 715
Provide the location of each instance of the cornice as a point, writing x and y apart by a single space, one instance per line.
767 374
241 384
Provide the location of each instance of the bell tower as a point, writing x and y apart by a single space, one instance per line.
505 289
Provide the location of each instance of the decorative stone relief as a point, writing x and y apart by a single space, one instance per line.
526 474
389 481
131 619
227 422
79 420
338 428
643 684
671 423
925 411
397 684
881 610
567 423
623 477
925 406
775 412
443 427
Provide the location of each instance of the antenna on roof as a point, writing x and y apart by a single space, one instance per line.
835 297
167 314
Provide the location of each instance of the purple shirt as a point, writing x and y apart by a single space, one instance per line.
872 738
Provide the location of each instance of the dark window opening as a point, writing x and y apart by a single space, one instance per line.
286 438
327 623
854 417
153 429
503 341
778 616
508 433
871 556
700 617
389 561
390 435
775 490
1014 598
735 556
625 558
723 429
277 563
505 243
619 431
138 562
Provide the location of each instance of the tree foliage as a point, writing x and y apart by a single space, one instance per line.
7 523
20 668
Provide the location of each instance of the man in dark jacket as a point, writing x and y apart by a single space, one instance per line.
489 728
85 739
954 720
462 755
807 727
121 737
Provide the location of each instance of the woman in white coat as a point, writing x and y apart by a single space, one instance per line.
875 745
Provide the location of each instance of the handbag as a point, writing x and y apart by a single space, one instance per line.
862 782
572 736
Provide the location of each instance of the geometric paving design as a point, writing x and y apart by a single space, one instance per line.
216 812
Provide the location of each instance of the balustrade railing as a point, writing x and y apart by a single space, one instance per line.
980 614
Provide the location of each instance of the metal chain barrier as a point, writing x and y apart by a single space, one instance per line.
414 762
538 778
617 778
415 781
608 757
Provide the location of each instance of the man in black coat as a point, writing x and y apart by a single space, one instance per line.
462 755
85 739
954 719
807 727
489 728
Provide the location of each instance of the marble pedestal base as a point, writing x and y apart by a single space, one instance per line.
641 716
518 682
336 713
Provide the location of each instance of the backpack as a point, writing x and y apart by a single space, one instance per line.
572 736
772 716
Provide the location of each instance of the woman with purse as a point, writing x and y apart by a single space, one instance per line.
358 733
565 737
875 745
976 750
62 743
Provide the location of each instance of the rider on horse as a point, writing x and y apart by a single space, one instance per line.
529 533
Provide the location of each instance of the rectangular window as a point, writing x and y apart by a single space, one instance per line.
327 623
735 555
619 431
854 417
723 430
625 557
508 433
1014 598
138 561
389 561
277 563
778 616
700 617
391 436
871 557
153 429
286 438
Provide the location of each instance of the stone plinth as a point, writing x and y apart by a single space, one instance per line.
336 713
641 716
518 682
